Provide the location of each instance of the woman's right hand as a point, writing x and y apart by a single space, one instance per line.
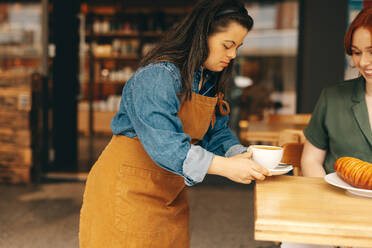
240 168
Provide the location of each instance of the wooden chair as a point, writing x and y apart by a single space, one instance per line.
299 119
243 128
291 136
292 155
292 140
243 124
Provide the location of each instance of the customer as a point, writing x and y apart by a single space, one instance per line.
171 130
341 121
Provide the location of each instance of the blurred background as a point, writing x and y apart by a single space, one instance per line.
63 65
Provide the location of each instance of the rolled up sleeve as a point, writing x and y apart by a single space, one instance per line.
235 150
196 164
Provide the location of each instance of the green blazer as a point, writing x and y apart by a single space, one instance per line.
340 123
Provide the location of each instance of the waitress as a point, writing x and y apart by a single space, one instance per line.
170 131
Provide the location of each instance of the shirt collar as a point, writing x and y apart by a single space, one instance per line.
209 78
359 89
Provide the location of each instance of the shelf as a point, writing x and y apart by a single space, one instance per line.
123 34
120 34
101 121
133 7
21 57
116 38
110 81
152 33
117 57
14 74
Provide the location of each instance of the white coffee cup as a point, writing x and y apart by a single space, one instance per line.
267 156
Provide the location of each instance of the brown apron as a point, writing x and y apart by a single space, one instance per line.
131 202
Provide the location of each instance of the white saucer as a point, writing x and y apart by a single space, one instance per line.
280 170
334 180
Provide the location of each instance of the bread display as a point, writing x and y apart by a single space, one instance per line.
355 172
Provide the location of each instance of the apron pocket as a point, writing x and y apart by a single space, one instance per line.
142 201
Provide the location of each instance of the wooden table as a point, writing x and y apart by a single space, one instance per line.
309 210
267 133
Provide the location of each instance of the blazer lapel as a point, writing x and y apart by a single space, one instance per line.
360 110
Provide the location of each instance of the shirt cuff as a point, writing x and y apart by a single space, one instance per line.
196 164
235 150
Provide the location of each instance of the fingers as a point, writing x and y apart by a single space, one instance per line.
256 171
249 153
245 181
257 175
251 174
245 169
259 169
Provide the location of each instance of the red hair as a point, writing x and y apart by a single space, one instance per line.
363 19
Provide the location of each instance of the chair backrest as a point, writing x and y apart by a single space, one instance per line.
291 136
301 119
292 155
243 128
243 124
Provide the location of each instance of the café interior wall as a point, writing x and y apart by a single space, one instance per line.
321 56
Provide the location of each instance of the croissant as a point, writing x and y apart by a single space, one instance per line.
355 172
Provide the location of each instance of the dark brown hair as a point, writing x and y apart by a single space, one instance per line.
186 46
363 19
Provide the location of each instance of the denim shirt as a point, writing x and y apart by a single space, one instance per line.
149 108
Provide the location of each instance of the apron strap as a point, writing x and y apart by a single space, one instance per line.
223 107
